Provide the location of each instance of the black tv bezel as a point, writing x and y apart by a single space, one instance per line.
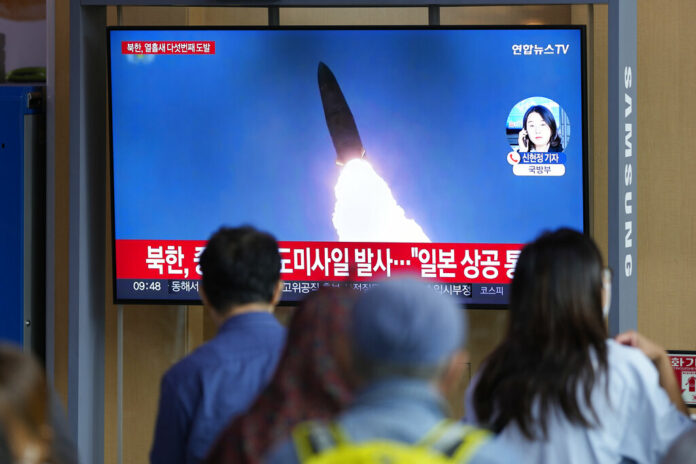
185 302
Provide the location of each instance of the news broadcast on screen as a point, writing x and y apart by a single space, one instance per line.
367 152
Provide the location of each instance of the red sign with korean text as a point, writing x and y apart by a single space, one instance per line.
684 365
333 261
135 47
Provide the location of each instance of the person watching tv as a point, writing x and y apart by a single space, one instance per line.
556 389
310 382
407 352
204 391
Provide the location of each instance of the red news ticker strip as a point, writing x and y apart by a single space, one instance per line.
136 47
333 261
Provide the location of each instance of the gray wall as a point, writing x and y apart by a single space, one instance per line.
24 44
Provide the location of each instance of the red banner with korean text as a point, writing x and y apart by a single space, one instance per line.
333 261
136 47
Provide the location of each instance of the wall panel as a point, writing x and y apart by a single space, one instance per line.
154 16
154 338
599 134
506 15
223 16
353 16
666 130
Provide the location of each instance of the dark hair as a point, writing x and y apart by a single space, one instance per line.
555 142
555 346
240 265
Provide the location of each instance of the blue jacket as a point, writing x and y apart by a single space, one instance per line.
204 391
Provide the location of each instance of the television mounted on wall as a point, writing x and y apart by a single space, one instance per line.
369 152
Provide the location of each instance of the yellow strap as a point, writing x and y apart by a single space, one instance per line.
338 433
434 434
472 439
472 442
300 437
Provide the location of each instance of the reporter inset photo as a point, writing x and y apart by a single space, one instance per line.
538 124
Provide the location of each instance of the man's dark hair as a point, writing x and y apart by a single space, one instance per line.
240 265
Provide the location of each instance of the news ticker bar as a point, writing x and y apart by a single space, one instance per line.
187 290
487 264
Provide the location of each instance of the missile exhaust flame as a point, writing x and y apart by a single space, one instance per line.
366 210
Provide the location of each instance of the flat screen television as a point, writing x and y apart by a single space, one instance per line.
368 152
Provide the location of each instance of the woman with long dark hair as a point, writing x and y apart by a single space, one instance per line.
556 389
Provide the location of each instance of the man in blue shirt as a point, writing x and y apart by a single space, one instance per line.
407 352
204 391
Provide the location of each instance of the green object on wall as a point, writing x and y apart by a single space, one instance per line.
30 74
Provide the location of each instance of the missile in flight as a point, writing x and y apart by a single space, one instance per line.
339 119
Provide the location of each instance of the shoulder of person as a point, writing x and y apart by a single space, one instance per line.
495 451
631 365
629 355
187 368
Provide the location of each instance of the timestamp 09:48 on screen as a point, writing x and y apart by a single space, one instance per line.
141 286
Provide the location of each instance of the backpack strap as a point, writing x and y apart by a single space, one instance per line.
313 438
435 433
458 442
455 441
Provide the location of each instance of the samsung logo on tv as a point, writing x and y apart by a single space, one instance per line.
628 175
